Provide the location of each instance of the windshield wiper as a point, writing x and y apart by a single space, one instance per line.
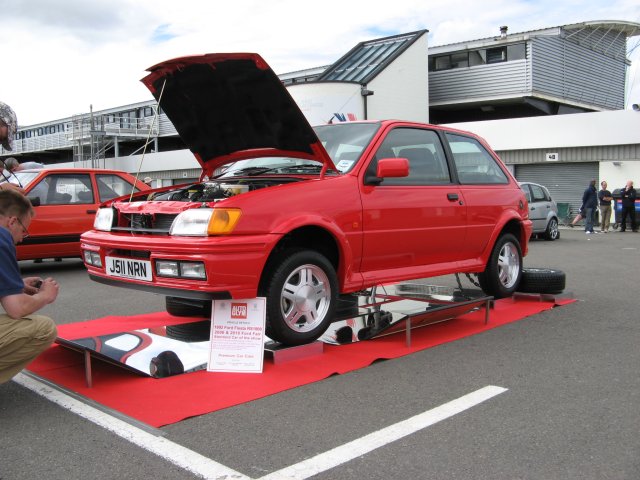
305 168
252 170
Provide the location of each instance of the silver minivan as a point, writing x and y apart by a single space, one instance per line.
543 211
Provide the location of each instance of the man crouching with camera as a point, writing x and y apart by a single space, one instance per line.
23 336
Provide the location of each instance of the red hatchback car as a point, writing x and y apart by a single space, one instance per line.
302 215
66 201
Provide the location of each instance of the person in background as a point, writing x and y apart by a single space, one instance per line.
628 198
604 197
13 165
23 335
8 129
589 204
148 181
579 216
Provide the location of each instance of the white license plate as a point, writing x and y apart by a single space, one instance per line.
129 268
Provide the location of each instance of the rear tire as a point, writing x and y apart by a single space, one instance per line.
502 274
552 232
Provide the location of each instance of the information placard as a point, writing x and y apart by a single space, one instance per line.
237 335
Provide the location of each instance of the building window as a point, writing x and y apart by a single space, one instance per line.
478 57
496 55
459 60
516 52
443 62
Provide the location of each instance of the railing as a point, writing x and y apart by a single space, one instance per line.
82 129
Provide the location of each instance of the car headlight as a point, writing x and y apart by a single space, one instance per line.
104 219
205 221
223 220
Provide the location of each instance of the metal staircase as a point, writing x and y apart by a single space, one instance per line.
93 135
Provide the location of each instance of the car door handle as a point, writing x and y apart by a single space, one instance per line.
452 196
91 211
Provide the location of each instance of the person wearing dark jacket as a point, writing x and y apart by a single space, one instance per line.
628 198
589 204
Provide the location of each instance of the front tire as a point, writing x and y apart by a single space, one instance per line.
186 307
502 274
301 290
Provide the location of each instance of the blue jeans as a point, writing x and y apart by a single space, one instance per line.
588 219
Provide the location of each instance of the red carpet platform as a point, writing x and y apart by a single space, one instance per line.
159 402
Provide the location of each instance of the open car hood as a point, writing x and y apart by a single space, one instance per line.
232 106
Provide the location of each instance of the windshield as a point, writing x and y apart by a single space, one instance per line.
345 142
258 166
21 179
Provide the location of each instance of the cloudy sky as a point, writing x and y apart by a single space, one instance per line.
61 56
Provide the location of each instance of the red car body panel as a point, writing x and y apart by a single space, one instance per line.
374 233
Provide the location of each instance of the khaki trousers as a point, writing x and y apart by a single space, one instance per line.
23 340
605 217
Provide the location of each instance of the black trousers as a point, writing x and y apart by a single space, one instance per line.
631 212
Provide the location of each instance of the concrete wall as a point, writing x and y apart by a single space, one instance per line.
616 176
621 127
320 101
401 90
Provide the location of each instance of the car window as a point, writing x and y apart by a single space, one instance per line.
22 179
111 186
61 189
527 192
538 194
345 142
475 165
423 149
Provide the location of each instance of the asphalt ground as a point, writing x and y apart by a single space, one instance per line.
571 409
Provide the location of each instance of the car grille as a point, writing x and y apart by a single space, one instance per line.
158 224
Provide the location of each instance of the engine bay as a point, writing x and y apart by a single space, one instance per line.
213 191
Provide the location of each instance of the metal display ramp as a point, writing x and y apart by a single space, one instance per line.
361 316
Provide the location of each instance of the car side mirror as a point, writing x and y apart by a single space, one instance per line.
35 201
393 167
389 168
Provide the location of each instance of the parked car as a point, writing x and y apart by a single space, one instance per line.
304 215
543 210
66 201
